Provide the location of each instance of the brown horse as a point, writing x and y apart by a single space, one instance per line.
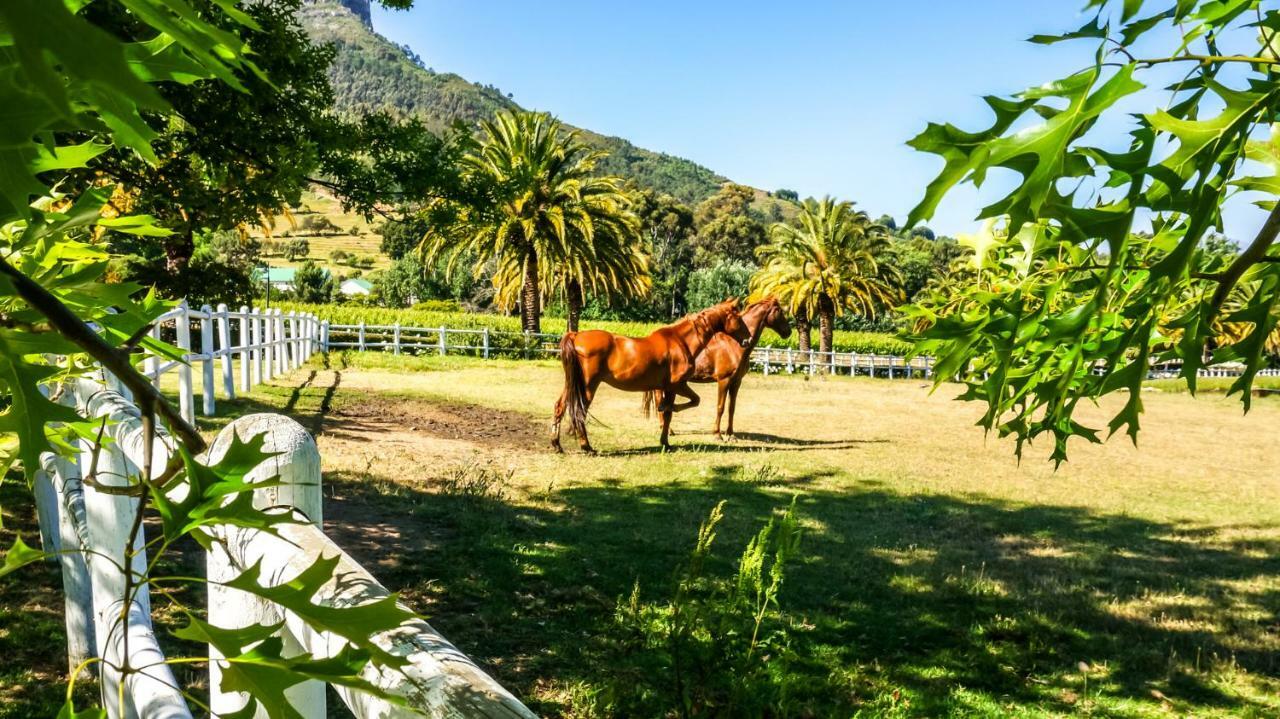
726 360
662 361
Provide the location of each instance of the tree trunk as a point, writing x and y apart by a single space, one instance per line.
826 322
530 309
178 249
573 299
802 329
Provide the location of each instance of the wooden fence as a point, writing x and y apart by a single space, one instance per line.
263 342
93 523
487 343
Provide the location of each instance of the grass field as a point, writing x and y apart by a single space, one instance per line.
936 576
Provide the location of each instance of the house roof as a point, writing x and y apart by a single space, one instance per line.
276 274
361 283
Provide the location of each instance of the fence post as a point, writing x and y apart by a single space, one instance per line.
790 365
361 336
245 341
891 358
206 349
268 346
324 335
224 339
153 362
484 334
64 475
292 361
282 359
186 397
395 338
443 345
298 470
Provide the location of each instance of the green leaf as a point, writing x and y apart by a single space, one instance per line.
230 642
355 624
963 152
30 411
68 711
264 674
19 556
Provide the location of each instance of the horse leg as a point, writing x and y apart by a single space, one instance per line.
589 394
733 403
684 390
666 431
555 423
721 390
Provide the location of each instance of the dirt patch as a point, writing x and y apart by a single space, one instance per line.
373 418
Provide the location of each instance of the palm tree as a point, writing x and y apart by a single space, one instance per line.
615 266
826 262
548 211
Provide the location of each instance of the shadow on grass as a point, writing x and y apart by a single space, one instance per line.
953 604
957 605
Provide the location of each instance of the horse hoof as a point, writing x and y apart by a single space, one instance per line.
589 451
556 446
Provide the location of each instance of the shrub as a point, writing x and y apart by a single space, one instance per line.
339 256
713 284
297 249
438 306
320 224
720 646
312 283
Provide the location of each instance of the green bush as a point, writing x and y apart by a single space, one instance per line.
438 306
720 646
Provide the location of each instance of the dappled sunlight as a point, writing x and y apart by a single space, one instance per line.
936 573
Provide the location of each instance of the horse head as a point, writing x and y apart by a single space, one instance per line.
776 318
725 318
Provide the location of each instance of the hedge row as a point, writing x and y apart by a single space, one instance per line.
845 341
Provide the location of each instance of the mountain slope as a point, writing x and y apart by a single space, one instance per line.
372 73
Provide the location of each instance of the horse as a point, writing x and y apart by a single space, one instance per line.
664 360
726 360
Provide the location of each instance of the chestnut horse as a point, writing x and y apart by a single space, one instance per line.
726 361
662 361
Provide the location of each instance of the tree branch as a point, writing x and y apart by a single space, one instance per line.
74 329
1256 252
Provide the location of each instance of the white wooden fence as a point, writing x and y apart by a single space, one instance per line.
93 524
487 343
265 343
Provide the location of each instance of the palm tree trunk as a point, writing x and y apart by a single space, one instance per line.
573 298
826 322
802 329
530 309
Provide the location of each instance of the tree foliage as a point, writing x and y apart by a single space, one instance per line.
546 215
1071 303
826 262
82 91
727 227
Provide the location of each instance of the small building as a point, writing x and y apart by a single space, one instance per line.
280 278
355 286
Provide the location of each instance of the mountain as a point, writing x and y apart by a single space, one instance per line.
372 73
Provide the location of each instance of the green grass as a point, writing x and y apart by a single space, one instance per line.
937 576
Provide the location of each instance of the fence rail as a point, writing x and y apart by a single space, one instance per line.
93 523
488 343
265 342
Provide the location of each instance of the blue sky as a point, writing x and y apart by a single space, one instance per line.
819 97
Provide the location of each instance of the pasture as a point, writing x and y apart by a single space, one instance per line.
936 575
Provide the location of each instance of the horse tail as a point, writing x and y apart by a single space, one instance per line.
646 403
575 385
